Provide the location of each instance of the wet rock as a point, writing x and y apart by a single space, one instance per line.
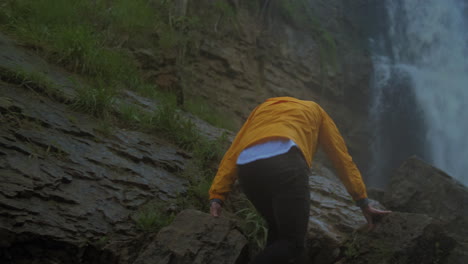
254 59
17 59
333 218
458 230
418 187
435 230
68 182
42 250
64 181
198 238
401 238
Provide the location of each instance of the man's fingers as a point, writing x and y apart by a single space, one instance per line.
215 209
214 212
380 212
375 211
373 215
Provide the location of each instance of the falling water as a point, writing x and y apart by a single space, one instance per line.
420 87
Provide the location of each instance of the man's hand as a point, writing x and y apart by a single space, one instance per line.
370 213
215 208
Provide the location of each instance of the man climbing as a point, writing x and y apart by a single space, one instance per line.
271 156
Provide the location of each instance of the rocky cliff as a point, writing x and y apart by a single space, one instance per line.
74 189
322 55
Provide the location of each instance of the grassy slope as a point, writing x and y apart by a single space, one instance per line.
93 39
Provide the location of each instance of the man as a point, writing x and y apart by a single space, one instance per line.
271 156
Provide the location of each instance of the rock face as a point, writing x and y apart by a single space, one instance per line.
333 217
434 229
62 179
276 58
262 55
65 181
401 238
418 187
198 238
69 185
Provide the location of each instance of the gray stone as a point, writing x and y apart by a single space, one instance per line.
63 181
333 218
198 238
418 187
434 231
401 238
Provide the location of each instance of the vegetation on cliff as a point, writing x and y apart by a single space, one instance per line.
97 40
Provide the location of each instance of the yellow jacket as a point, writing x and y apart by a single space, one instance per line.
307 124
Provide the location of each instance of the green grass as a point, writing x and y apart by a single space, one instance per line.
132 115
328 53
202 108
200 172
132 16
79 34
196 196
90 38
97 99
70 34
152 217
33 80
167 121
253 226
301 15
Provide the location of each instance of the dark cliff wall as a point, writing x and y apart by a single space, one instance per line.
317 51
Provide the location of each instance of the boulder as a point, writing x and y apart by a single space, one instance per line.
64 184
433 228
418 187
401 238
333 218
198 238
66 180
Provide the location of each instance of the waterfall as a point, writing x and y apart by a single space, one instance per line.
420 88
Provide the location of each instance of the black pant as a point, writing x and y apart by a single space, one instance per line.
278 187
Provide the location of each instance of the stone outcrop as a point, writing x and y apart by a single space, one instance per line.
333 217
400 238
198 238
433 229
63 180
418 187
67 181
259 55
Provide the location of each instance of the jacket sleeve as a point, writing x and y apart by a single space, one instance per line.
225 177
227 170
333 144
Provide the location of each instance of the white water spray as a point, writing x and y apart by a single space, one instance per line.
429 46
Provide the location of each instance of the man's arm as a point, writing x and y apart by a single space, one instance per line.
227 171
334 145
